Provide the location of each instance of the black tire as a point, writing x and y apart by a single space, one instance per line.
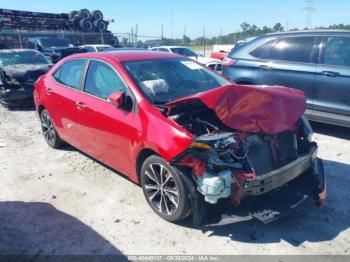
97 15
72 15
101 25
86 25
49 130
84 14
170 201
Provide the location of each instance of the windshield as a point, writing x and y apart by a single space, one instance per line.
27 57
165 80
104 48
55 42
183 51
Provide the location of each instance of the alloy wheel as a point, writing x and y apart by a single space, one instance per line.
161 189
48 128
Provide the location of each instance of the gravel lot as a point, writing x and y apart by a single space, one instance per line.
63 202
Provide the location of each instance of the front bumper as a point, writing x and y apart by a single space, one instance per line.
310 185
13 97
265 183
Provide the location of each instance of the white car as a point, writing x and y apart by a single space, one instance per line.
96 48
213 63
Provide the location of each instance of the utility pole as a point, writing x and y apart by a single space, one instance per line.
136 32
172 23
204 40
184 35
221 36
132 36
162 37
309 9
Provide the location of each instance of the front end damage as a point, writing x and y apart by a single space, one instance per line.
17 84
252 173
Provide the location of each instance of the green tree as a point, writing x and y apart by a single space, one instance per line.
278 27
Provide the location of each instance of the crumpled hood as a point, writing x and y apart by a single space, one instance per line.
25 72
253 109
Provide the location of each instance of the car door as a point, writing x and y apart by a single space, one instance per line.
332 89
291 62
62 91
106 131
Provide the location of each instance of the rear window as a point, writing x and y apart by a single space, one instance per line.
260 50
293 49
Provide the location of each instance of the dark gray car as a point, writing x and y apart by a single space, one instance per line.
316 62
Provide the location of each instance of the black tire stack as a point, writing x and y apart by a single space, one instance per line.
23 20
86 21
81 27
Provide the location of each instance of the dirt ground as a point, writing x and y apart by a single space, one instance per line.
63 202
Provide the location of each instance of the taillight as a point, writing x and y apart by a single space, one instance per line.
229 62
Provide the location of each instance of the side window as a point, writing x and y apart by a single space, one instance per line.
89 49
293 49
102 80
69 74
163 50
57 74
337 51
259 51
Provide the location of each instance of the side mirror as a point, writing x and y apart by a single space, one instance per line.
117 99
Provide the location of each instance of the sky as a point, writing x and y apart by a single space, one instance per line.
194 15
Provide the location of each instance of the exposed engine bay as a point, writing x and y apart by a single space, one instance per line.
231 164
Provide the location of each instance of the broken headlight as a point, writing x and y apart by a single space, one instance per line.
218 141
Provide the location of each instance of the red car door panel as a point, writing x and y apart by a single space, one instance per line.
61 92
105 132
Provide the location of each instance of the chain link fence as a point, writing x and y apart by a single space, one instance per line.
18 38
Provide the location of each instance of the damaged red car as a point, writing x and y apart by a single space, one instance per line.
191 139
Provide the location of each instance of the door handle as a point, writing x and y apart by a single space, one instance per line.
49 91
265 67
81 106
330 73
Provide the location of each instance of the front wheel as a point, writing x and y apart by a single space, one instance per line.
49 131
164 189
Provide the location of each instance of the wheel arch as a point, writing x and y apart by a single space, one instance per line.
40 109
141 157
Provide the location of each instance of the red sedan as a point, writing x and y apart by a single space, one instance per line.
191 138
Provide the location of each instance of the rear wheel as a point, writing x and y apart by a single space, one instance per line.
164 189
49 131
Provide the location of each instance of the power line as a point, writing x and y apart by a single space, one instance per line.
309 9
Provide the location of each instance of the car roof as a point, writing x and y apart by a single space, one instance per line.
128 55
169 46
306 32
